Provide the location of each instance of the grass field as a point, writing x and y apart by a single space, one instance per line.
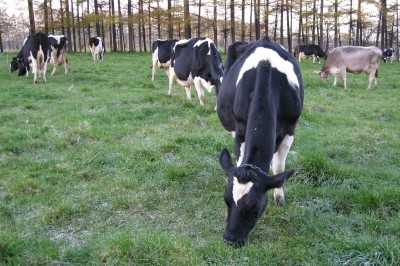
100 166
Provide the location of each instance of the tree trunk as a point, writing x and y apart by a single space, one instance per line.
266 17
384 38
186 17
68 25
276 21
158 19
199 20
170 28
314 21
289 29
149 22
73 25
121 28
62 18
114 29
281 24
78 27
130 26
351 23
321 25
242 24
51 16
336 23
31 17
257 24
96 12
232 7
300 23
359 26
215 29
46 19
87 10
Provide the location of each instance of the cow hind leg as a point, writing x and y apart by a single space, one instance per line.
171 80
200 92
278 165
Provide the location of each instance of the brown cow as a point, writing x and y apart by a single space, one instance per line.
353 59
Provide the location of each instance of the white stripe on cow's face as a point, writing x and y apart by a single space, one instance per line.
240 190
266 54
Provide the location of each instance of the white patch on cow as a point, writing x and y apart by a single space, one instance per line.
179 43
200 42
242 147
278 163
57 37
239 190
266 54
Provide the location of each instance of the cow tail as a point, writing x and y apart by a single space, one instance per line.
40 58
376 73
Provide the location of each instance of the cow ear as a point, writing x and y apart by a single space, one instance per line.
225 161
276 181
317 71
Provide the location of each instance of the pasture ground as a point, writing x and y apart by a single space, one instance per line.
99 166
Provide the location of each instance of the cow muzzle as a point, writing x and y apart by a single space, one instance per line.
235 242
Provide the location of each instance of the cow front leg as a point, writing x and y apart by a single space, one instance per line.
278 165
343 75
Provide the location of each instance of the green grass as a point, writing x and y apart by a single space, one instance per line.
100 166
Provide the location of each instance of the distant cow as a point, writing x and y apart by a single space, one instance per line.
388 54
34 54
97 48
309 50
260 99
58 52
353 59
161 56
195 61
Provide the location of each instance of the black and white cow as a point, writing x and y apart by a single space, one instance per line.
58 52
161 56
195 61
388 54
34 54
97 48
260 100
309 50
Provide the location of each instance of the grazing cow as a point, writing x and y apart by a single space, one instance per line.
260 99
353 59
34 54
388 54
18 62
58 52
97 48
309 50
195 61
161 50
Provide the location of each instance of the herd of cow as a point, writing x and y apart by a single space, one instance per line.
38 49
259 99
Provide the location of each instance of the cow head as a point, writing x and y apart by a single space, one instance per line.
14 64
246 197
323 74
